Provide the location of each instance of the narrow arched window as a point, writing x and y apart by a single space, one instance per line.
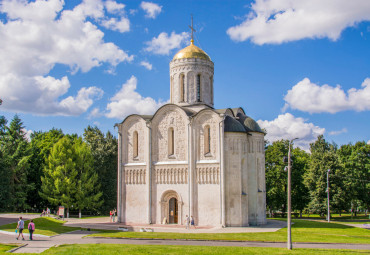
171 88
136 145
198 88
211 87
171 142
207 140
182 88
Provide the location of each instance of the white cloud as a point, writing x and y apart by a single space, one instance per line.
279 21
368 142
114 7
286 126
152 10
40 95
31 45
338 132
310 97
27 134
95 113
146 64
163 44
122 25
128 101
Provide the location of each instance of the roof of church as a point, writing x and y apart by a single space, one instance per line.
191 51
232 125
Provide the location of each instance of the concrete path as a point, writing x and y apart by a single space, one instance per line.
103 223
42 244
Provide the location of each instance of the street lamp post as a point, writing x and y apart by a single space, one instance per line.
327 190
289 241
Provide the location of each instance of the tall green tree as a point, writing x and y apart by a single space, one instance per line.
104 152
60 175
276 177
41 145
5 174
323 157
355 162
16 154
88 194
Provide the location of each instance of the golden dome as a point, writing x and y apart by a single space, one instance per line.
191 51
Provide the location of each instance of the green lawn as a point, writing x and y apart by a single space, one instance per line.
302 231
174 249
44 226
6 247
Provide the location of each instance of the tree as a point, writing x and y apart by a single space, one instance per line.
4 171
87 194
323 157
60 175
104 152
276 177
41 145
355 162
69 178
15 156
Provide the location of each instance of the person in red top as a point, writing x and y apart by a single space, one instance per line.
31 228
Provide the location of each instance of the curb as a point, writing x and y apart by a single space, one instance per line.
202 240
17 248
12 233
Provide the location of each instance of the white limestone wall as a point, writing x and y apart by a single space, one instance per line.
236 200
256 179
191 68
167 117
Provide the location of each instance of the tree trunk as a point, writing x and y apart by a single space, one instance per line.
67 212
79 213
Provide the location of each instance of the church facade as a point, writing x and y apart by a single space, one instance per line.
191 159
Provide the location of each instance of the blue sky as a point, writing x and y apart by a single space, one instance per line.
300 68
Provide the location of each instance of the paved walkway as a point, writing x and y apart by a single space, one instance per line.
41 244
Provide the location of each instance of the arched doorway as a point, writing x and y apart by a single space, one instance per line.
173 211
171 208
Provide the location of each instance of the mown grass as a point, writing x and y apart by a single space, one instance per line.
302 231
189 250
6 247
44 226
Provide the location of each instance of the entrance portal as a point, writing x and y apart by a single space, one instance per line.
173 211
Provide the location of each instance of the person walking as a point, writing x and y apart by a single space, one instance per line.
192 223
31 228
111 215
20 227
187 221
114 215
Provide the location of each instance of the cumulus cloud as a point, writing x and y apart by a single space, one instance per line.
128 101
31 45
310 97
152 10
95 113
279 21
122 25
27 134
40 95
114 7
338 132
368 142
286 126
146 64
163 44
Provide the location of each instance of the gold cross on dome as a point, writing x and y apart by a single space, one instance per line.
192 30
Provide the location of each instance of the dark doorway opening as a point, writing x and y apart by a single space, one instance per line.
173 211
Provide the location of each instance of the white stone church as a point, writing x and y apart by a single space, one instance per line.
191 159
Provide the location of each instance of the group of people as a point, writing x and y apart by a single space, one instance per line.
45 212
112 215
20 227
189 220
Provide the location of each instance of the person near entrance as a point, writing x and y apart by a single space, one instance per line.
187 221
192 223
